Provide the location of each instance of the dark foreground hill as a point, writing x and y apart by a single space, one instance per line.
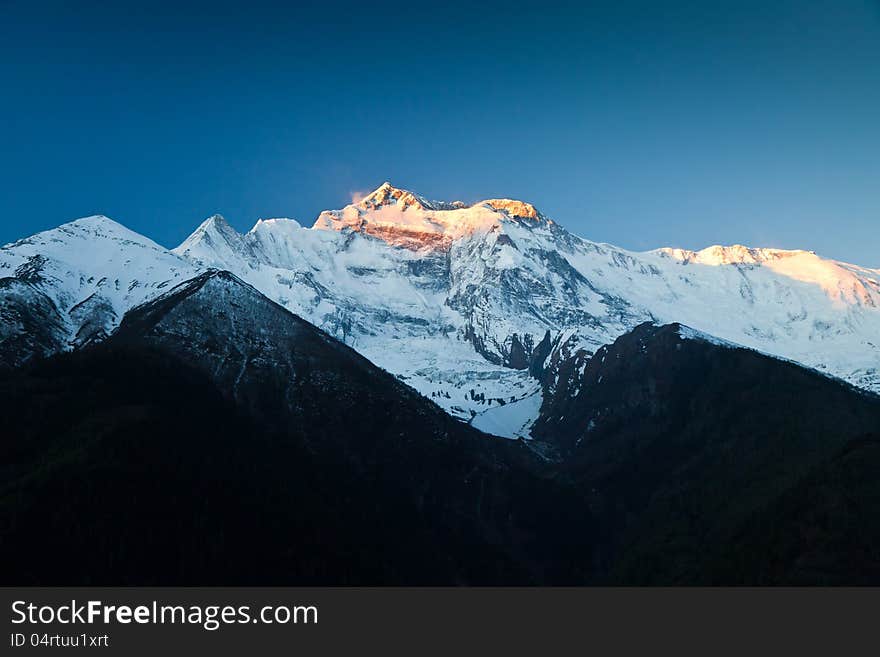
689 449
217 439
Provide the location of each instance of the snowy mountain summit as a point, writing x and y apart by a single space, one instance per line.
482 308
401 218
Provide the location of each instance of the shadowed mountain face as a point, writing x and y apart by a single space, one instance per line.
217 439
824 531
687 447
29 323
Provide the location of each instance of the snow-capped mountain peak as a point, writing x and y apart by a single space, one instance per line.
387 194
214 222
213 242
88 242
402 218
97 222
213 228
82 277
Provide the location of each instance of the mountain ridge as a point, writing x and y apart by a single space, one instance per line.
476 306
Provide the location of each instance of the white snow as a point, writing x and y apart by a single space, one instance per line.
414 285
513 420
95 258
688 333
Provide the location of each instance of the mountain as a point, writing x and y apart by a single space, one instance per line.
215 438
70 286
707 463
484 308
268 407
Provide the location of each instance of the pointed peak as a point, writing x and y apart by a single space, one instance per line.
202 288
214 275
216 224
196 283
215 221
386 188
211 233
388 194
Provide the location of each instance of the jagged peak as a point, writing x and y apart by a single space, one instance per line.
217 221
210 230
403 218
388 194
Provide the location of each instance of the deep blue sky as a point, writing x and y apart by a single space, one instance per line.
638 123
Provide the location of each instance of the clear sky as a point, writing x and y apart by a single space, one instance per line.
643 124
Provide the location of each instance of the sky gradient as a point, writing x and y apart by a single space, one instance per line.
642 124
